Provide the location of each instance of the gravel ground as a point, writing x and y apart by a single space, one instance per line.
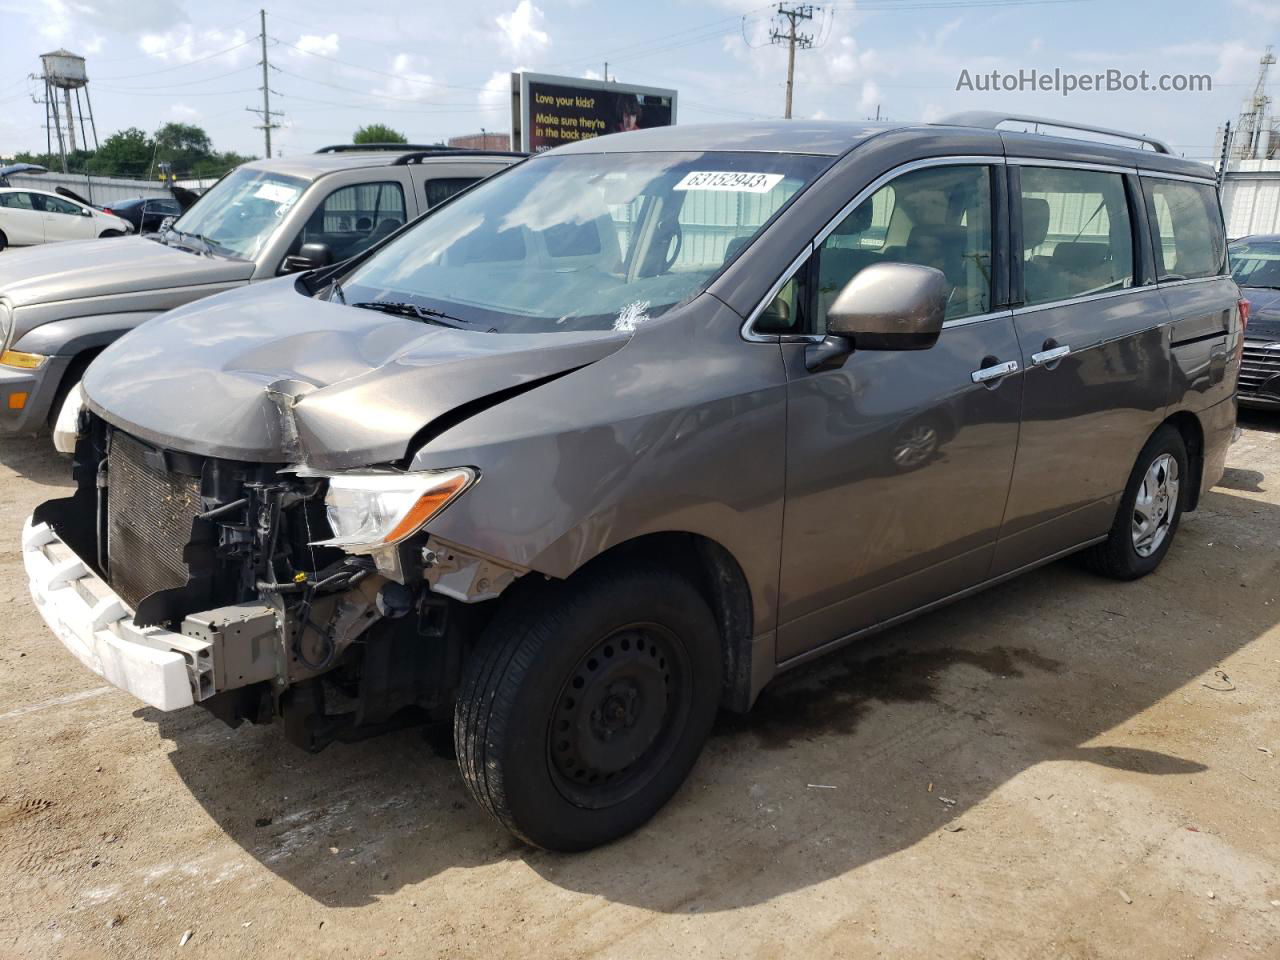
1055 768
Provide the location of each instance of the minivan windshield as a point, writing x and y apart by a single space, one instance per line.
584 241
1256 263
240 212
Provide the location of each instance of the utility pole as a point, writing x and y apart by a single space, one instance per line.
266 112
797 13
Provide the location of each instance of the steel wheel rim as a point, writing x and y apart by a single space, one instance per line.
619 715
1156 505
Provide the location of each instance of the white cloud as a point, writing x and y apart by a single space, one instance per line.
870 97
410 81
496 96
181 111
311 43
185 44
75 23
522 29
1266 11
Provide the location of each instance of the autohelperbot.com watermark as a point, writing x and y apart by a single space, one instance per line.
1066 82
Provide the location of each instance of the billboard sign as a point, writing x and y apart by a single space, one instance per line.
547 111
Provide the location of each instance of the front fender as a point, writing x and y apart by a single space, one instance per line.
684 430
66 338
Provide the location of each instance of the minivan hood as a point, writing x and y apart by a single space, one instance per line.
75 269
1264 312
268 374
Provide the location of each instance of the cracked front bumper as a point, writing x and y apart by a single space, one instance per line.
164 669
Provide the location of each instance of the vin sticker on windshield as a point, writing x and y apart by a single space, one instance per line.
729 181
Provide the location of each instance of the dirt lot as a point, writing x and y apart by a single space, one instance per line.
1052 769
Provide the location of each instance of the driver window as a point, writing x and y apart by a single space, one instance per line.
354 218
938 217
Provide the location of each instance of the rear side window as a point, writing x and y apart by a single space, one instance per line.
442 188
18 201
1077 238
938 217
1186 224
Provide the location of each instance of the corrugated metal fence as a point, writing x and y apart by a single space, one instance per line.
102 191
1251 202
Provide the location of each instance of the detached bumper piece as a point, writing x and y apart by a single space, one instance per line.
217 650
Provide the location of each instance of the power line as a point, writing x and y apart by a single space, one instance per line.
381 73
180 66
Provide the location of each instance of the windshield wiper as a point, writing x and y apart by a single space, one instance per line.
401 308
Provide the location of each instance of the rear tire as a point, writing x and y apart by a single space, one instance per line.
585 705
1149 512
109 233
4 241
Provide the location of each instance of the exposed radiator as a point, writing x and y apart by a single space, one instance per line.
149 514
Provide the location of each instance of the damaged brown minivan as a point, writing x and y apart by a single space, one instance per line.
602 445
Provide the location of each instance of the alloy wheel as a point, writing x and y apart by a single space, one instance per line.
1156 505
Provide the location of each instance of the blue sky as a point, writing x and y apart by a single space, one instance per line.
433 69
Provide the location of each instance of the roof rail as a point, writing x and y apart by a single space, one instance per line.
455 152
990 120
394 147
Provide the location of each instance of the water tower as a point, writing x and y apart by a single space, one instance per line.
64 76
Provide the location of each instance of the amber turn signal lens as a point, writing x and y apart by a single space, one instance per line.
426 507
24 361
17 401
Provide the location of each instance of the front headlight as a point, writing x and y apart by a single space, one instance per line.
6 324
368 511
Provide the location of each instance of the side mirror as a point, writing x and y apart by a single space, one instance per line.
891 306
309 257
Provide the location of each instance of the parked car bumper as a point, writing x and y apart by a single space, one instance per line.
27 395
1259 401
160 667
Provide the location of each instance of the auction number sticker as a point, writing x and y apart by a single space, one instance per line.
277 193
729 181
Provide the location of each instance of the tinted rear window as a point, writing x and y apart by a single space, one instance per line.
1186 228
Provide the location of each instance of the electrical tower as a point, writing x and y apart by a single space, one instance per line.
64 75
797 13
265 111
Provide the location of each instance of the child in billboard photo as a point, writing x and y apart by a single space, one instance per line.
626 112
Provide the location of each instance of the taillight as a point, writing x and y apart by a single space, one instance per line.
108 210
1243 304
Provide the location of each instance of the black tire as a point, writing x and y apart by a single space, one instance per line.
109 233
1118 556
4 241
642 647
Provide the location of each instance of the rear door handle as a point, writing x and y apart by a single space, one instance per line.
995 372
1048 356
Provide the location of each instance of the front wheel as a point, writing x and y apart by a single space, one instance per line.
584 707
110 233
4 241
1149 511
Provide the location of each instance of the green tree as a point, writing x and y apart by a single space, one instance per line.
126 153
378 133
184 146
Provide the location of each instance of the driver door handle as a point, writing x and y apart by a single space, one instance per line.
995 372
1048 356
